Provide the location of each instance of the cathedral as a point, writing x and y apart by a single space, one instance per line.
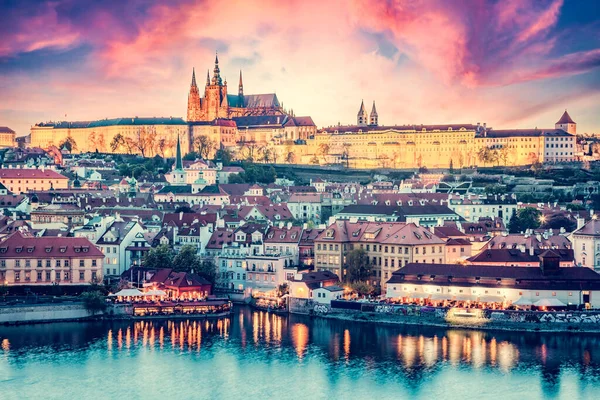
218 103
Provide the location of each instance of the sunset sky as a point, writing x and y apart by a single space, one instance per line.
510 63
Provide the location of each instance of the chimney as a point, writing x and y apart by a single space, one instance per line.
580 223
522 248
180 215
531 250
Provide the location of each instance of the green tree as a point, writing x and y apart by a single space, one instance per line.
191 156
224 156
358 267
363 289
208 270
186 260
526 218
159 257
94 302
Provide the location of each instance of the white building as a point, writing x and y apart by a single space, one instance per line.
586 243
114 242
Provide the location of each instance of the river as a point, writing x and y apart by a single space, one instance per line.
257 355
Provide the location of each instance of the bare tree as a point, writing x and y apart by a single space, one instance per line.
204 145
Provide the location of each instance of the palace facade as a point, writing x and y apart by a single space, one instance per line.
147 136
368 145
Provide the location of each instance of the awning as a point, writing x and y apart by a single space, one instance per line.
465 297
491 299
521 301
155 292
128 292
418 295
440 296
552 302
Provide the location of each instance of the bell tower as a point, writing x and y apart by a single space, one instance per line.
193 110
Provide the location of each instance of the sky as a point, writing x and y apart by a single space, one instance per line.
508 63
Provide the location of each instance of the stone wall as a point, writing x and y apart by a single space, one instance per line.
43 313
470 318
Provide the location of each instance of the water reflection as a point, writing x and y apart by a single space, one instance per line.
410 354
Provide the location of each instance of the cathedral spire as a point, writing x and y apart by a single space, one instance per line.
178 161
194 77
216 80
361 117
241 86
374 117
207 78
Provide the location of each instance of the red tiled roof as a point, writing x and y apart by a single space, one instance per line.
19 246
24 173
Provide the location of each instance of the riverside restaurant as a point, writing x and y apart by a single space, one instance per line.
547 287
160 304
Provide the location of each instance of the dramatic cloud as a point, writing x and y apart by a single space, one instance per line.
423 61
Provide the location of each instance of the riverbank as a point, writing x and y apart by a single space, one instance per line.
478 319
562 325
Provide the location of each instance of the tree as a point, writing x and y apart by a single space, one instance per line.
224 156
68 144
186 260
525 218
358 267
363 289
191 156
117 141
323 150
159 257
94 302
208 270
204 145
143 140
236 178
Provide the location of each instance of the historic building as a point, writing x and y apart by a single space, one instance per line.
218 103
147 136
370 145
49 260
7 137
23 180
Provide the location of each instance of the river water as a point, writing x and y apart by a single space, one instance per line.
256 355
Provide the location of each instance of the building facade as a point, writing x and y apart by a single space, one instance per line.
147 136
23 180
49 261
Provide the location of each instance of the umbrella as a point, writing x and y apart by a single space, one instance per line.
549 303
521 301
129 292
155 292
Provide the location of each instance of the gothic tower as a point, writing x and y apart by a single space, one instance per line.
566 124
193 111
178 173
216 95
374 120
362 118
241 91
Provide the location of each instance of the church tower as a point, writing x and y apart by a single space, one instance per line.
566 124
241 91
178 173
362 118
215 94
374 120
193 111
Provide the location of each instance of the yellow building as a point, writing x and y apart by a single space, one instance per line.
7 137
23 180
146 136
368 145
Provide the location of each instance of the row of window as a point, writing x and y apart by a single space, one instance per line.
47 276
48 263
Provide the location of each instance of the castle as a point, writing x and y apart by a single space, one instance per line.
218 103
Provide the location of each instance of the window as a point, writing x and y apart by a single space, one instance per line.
17 276
93 263
58 263
48 264
81 276
81 263
58 275
39 263
17 263
39 276
27 263
3 263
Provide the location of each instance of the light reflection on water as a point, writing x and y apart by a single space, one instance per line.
251 347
